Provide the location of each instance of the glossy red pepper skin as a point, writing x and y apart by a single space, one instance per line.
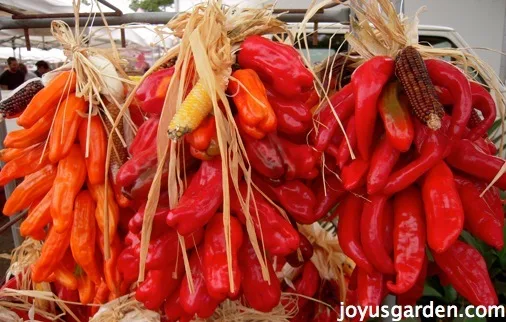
200 201
446 75
159 224
146 135
372 234
343 104
137 165
368 81
279 237
481 218
294 117
410 297
482 101
443 209
383 160
467 271
300 160
306 250
388 236
277 64
215 266
370 289
199 301
348 230
466 157
295 197
261 295
264 157
128 264
152 90
343 151
327 194
307 285
409 239
354 175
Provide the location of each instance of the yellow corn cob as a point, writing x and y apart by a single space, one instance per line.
192 112
412 73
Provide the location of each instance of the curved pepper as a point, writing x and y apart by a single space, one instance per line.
370 289
373 222
38 217
261 295
137 165
306 250
112 275
467 271
27 137
86 289
31 161
203 140
159 223
146 134
446 75
172 308
101 296
348 231
480 217
277 64
482 101
300 159
263 157
410 297
293 116
95 162
383 160
200 200
368 81
100 192
343 152
354 174
443 208
153 89
396 118
128 264
215 265
53 250
306 285
328 193
409 239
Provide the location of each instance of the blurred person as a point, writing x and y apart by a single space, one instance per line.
28 74
13 76
42 68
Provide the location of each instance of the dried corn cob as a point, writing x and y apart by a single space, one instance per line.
20 97
412 73
474 120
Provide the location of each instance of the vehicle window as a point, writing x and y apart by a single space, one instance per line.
320 51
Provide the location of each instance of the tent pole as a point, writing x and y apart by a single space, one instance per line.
27 40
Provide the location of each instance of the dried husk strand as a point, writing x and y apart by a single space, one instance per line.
125 309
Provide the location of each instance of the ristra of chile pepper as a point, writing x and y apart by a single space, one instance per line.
153 89
295 197
33 187
383 160
482 101
348 231
328 193
98 192
203 140
443 209
277 64
370 290
395 115
480 217
467 271
9 154
354 175
260 294
70 177
95 162
256 116
446 75
146 133
27 137
83 235
466 157
215 265
199 301
263 157
292 115
306 250
368 81
279 237
343 104
159 225
372 234
409 239
25 164
410 297
138 164
38 217
343 151
159 284
53 250
306 285
112 275
200 200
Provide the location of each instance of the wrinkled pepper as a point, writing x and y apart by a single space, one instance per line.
383 160
159 225
112 275
100 192
293 116
38 217
95 162
146 134
86 289
137 165
10 154
153 89
263 157
128 264
31 161
53 250
35 134
101 296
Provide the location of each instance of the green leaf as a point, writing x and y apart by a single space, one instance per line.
468 238
450 294
500 287
468 319
429 290
502 254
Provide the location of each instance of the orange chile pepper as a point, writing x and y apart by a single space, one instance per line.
83 235
65 277
95 162
38 217
53 250
256 116
203 141
10 154
98 192
27 137
112 275
48 98
65 126
25 164
86 289
33 187
69 180
101 296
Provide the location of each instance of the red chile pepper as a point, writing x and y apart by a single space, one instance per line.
215 265
153 89
159 224
482 101
327 194
354 174
279 237
199 301
307 285
493 200
343 104
326 315
467 271
410 297
293 115
395 115
306 250
344 155
480 217
200 200
444 95
145 136
137 165
446 75
277 64
383 160
368 81
372 234
203 140
173 310
140 188
261 295
295 197
159 284
388 236
348 230
300 160
466 157
409 239
443 208
370 290
128 264
264 157
304 314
